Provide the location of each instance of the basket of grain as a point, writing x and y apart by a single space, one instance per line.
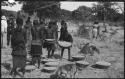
51 64
49 69
30 67
102 64
82 64
78 57
64 44
48 60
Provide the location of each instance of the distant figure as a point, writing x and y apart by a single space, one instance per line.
95 31
3 31
68 38
28 26
50 34
36 44
18 48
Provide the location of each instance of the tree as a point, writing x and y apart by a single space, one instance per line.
105 11
82 13
43 8
7 3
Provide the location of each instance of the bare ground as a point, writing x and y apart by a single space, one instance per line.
112 52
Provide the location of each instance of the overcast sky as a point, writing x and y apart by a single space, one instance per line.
68 5
64 5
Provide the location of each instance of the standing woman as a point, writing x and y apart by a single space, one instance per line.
18 47
50 34
36 44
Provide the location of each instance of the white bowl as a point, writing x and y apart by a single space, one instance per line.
103 63
64 44
30 67
82 63
52 64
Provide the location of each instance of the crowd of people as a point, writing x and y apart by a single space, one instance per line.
19 36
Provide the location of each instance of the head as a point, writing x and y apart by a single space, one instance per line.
50 24
96 22
35 22
19 22
28 20
62 22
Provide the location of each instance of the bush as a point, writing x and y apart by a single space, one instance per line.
83 31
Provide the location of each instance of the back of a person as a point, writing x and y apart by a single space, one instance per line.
18 39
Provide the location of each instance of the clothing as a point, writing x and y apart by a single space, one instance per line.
19 61
49 34
18 48
18 42
62 33
36 43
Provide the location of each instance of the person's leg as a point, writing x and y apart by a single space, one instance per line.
49 50
8 38
39 61
53 50
68 53
62 50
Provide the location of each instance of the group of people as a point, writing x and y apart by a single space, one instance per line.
20 36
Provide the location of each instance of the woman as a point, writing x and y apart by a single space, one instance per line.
36 45
65 36
50 34
18 47
68 38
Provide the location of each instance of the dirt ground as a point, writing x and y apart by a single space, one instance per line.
112 52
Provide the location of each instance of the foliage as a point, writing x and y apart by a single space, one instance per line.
37 6
6 3
82 13
8 13
106 11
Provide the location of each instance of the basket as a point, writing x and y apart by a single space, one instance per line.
64 44
78 57
52 64
49 69
82 64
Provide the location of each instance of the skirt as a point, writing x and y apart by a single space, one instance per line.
49 45
36 50
19 61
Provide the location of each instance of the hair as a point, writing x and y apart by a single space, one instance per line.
62 22
19 21
28 20
96 22
35 22
50 24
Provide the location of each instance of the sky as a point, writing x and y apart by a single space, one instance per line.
68 5
64 5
